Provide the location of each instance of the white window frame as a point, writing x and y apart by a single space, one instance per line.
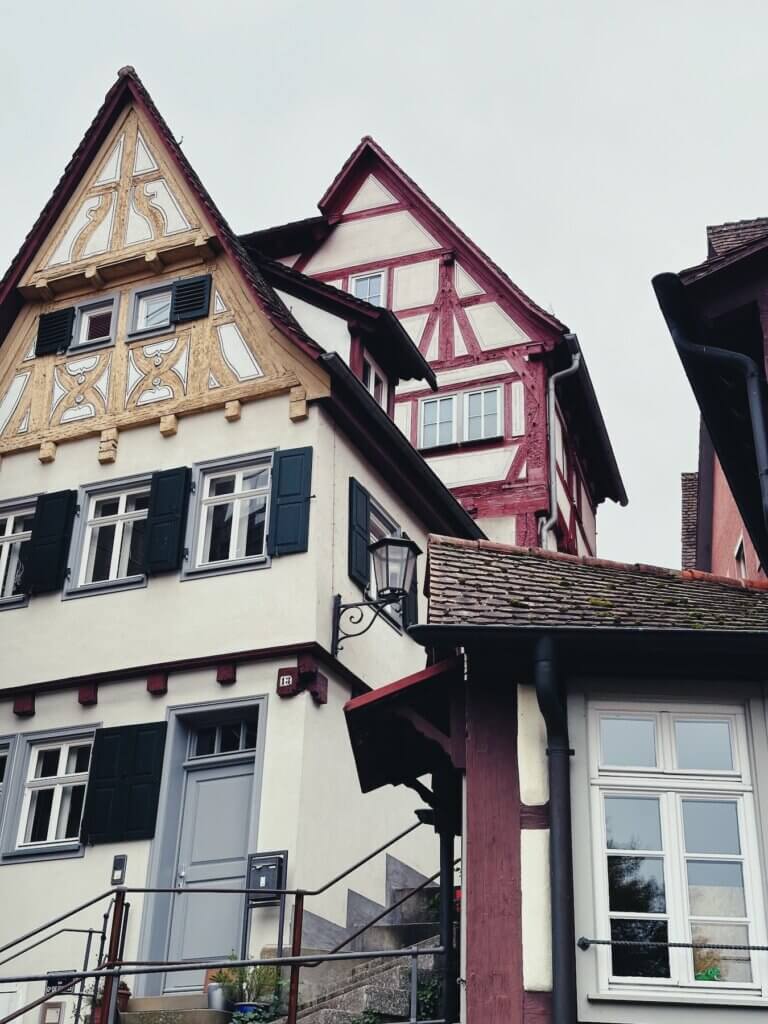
671 784
353 278
217 753
388 528
8 540
739 557
454 400
58 783
466 395
82 315
370 387
140 293
237 469
122 492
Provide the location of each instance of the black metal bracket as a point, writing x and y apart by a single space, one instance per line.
355 613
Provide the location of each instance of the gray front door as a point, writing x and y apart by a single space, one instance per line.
213 847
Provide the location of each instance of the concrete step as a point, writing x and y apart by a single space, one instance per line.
393 936
174 1016
422 906
329 1015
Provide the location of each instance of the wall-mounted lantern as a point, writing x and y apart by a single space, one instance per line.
394 565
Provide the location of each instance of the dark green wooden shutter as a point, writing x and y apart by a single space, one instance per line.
289 510
123 783
168 503
359 533
191 299
54 331
45 560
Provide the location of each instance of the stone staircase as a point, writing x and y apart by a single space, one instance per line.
341 992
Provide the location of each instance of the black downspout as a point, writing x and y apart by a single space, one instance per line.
670 292
552 704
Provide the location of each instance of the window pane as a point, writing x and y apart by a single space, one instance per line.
105 507
366 373
475 405
97 324
205 741
711 826
716 888
153 310
132 548
378 388
100 553
252 521
70 812
632 823
429 411
39 816
47 765
13 576
474 428
137 502
3 763
219 532
636 884
705 745
429 436
628 742
255 478
221 485
230 737
250 735
721 964
78 758
640 961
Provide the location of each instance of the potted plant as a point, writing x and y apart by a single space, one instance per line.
248 988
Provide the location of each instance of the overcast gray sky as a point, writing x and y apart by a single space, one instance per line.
584 145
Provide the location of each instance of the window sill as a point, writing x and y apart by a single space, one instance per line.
463 446
685 997
55 851
106 587
150 332
19 601
88 347
226 568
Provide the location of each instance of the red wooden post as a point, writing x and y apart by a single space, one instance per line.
293 992
113 953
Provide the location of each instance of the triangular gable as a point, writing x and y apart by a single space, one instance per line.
99 155
368 158
371 195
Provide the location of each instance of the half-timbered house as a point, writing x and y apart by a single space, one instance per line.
494 352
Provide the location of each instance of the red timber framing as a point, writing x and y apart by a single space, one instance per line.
502 477
438 718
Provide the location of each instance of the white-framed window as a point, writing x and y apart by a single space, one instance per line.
114 535
675 849
369 287
151 309
382 525
482 414
230 737
4 755
54 792
234 508
438 421
374 380
95 323
15 531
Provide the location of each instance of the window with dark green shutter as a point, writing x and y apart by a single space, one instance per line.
124 783
191 299
166 519
289 513
54 331
45 559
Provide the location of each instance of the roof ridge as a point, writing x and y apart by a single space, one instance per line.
599 563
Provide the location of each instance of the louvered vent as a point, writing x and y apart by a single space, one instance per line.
54 332
191 299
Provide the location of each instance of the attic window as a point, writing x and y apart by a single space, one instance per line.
374 381
369 287
94 323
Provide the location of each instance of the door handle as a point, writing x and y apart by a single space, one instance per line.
181 876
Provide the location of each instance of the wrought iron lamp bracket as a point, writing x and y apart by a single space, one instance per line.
349 619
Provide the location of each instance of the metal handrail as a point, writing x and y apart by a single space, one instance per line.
116 966
40 942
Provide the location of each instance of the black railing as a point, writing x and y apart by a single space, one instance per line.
112 966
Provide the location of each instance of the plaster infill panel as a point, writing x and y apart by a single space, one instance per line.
415 284
369 196
531 749
447 378
326 329
365 241
493 328
535 890
474 467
